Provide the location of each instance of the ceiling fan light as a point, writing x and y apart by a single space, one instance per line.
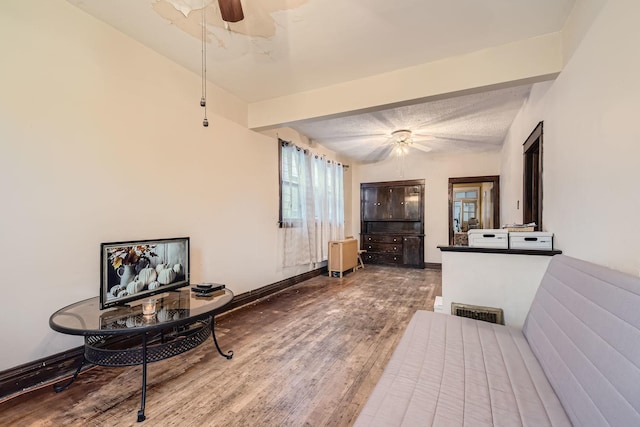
402 136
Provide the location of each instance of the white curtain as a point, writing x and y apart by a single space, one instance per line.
329 204
312 205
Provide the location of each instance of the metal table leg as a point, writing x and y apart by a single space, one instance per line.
58 387
228 355
141 416
98 351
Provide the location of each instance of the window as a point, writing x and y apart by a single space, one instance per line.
311 204
289 187
466 207
466 194
532 178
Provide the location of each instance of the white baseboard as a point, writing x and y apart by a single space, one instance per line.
438 305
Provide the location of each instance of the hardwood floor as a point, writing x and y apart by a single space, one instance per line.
307 356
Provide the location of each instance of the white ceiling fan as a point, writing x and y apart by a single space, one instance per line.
398 143
402 141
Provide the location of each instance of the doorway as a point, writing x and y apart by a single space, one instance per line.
532 178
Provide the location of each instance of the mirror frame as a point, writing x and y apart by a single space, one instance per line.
495 179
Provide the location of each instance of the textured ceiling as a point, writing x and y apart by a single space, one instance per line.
476 122
284 47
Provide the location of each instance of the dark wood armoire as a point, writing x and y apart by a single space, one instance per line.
392 222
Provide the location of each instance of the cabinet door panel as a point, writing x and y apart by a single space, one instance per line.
370 204
412 251
412 202
396 203
376 203
384 197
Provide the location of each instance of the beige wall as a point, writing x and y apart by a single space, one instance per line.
505 281
578 23
511 165
435 170
101 140
591 145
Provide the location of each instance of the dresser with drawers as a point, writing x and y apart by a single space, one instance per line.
392 223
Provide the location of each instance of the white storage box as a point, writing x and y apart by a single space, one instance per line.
488 238
540 240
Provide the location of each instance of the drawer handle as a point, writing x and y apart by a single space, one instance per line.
488 235
369 246
395 240
395 249
369 238
530 239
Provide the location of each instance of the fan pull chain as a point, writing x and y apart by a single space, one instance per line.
203 100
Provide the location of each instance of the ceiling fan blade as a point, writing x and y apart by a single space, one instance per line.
378 154
424 136
231 10
354 137
420 147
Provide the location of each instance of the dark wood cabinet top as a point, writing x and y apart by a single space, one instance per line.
498 251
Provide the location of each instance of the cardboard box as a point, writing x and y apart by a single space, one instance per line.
488 238
536 240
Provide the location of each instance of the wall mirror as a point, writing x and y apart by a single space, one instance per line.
474 202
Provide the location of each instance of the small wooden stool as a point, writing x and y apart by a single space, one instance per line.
360 262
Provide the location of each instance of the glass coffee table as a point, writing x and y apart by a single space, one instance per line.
124 336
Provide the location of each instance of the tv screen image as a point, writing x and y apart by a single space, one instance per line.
142 268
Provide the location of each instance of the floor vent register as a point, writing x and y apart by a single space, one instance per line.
487 314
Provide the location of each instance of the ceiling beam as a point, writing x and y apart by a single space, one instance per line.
526 61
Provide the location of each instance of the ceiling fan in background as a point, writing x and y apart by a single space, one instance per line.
402 141
372 147
398 143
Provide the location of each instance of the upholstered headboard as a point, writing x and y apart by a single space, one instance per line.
584 328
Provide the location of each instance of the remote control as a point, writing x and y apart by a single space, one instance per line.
211 288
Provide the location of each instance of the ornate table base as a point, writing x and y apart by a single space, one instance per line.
103 350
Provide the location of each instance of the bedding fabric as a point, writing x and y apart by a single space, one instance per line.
584 328
449 370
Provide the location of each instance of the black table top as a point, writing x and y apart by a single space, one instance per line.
172 309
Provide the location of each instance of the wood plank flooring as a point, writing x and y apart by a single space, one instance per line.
307 356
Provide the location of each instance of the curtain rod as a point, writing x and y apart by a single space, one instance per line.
307 151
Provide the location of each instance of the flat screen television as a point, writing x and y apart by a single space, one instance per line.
138 269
